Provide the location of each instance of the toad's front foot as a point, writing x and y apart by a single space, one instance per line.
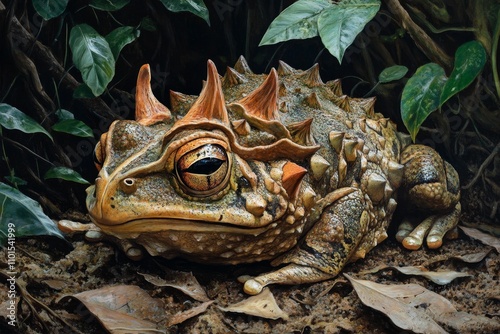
431 186
94 234
433 229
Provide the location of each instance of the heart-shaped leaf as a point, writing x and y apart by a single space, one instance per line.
73 127
298 21
392 73
20 216
469 62
421 96
196 7
14 119
339 25
65 173
49 9
92 56
118 38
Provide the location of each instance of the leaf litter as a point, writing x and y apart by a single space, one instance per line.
483 237
124 309
262 305
182 281
414 308
438 277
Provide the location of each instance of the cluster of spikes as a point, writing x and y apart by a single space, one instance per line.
259 109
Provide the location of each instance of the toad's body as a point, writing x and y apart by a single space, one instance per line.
280 167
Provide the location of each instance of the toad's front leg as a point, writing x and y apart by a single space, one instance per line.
430 186
327 247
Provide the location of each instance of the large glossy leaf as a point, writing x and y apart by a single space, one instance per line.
74 127
118 38
196 7
469 62
339 25
49 9
298 21
92 56
392 73
23 216
66 174
108 5
14 119
421 96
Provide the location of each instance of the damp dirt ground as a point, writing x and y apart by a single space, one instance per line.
48 269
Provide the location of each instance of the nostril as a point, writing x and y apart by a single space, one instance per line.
128 185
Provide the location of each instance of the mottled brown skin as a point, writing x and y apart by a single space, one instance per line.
280 167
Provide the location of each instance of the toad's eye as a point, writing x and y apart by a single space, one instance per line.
204 170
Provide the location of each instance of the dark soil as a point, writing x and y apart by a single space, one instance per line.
50 270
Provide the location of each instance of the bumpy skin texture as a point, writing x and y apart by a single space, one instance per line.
279 167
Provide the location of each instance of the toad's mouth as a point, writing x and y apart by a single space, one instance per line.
157 225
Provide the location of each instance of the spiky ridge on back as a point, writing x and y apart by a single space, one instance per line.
287 114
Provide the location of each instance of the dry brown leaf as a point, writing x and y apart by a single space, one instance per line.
192 312
182 281
472 258
483 237
262 305
390 298
381 297
438 277
55 284
124 309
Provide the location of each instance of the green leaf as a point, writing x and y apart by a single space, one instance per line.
17 181
298 21
83 92
49 9
469 62
92 56
196 7
65 173
63 114
339 25
392 73
23 216
148 24
118 38
421 96
13 119
73 127
108 5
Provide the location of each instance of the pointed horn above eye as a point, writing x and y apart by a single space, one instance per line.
148 109
210 104
292 177
263 101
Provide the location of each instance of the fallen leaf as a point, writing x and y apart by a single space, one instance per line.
192 312
182 281
55 284
472 258
390 299
124 309
438 277
381 297
262 305
483 237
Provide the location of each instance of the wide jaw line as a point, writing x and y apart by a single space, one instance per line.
155 225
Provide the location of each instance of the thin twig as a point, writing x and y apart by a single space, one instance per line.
422 40
483 167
